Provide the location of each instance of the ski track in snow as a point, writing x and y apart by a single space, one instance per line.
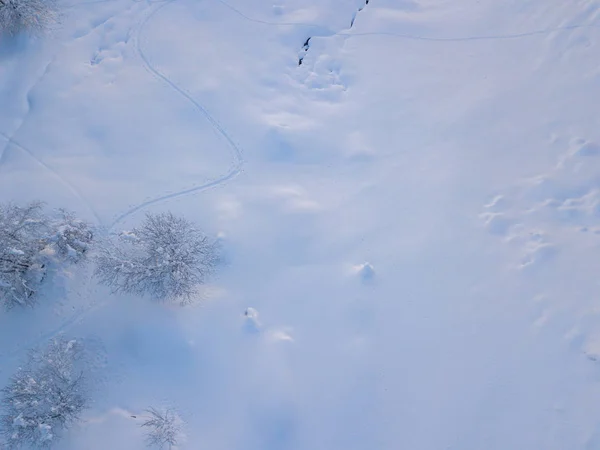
237 152
413 37
10 141
236 168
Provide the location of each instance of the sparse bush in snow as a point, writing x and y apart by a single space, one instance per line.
30 241
166 257
32 16
45 397
163 428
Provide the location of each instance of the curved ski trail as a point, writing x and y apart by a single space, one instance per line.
236 169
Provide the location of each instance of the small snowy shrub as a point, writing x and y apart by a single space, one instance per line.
163 428
31 241
166 257
43 398
31 16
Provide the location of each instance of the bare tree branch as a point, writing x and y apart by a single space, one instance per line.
164 428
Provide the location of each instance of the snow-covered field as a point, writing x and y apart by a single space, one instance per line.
413 213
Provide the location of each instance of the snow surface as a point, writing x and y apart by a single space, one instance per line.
413 213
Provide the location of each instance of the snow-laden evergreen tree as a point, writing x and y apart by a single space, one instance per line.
31 16
166 257
163 428
31 241
45 397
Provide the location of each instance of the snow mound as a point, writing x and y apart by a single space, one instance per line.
251 323
365 272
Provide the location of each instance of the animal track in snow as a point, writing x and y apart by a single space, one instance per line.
570 195
564 200
113 44
325 76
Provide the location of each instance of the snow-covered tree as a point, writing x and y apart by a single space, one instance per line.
166 257
70 238
45 397
21 245
163 428
31 241
32 16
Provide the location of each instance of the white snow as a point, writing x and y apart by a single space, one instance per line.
19 421
365 271
45 433
454 145
251 322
